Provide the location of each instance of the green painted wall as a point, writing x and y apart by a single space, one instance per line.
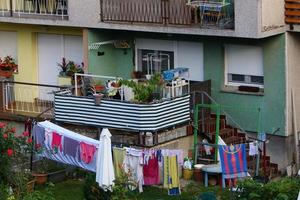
244 106
272 103
114 62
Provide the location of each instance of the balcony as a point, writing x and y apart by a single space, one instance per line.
292 11
218 14
45 9
20 100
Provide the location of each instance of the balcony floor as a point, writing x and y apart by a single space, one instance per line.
20 111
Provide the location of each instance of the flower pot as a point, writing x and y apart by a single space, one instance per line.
64 81
99 88
187 174
6 74
97 98
40 179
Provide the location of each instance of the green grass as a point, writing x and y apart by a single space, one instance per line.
73 190
68 190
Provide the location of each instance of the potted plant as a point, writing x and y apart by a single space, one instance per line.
99 86
47 170
144 92
68 69
7 66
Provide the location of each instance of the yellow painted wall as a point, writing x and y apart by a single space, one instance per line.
27 47
27 50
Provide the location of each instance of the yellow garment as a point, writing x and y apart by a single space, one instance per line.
173 172
118 155
166 171
171 177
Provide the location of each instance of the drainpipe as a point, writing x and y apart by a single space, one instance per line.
295 129
218 112
196 110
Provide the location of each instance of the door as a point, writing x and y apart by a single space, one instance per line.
51 49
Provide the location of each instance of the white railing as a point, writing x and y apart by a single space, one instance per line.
29 98
56 8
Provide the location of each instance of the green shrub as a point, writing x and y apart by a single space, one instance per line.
284 189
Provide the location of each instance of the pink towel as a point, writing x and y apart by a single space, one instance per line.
87 152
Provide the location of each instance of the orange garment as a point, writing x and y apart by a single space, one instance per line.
87 152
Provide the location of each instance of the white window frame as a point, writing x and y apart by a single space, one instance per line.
226 73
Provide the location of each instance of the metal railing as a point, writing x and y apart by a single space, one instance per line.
28 98
168 12
23 8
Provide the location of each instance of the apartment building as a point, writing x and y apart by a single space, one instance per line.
232 43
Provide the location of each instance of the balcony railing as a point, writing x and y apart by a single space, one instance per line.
28 99
292 11
34 8
217 13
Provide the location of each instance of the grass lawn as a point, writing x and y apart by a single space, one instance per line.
73 190
68 190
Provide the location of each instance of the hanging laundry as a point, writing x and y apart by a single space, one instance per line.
118 156
151 171
48 138
87 152
56 141
38 135
61 156
174 152
133 164
71 147
171 178
207 148
253 148
233 160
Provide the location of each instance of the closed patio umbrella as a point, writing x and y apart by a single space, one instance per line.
105 175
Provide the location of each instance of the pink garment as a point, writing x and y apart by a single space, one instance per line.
56 141
151 172
87 152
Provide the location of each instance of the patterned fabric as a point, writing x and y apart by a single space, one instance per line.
233 160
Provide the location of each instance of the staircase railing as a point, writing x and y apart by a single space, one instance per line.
206 99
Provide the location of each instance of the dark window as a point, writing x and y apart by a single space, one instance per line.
257 79
154 61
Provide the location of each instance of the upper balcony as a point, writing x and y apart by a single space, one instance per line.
292 11
217 14
42 9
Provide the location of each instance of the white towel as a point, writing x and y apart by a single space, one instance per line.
253 149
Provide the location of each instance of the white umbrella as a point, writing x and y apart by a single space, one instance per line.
105 175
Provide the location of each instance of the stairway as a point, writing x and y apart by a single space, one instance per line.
231 135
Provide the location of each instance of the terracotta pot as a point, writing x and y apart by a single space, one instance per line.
99 88
6 74
40 179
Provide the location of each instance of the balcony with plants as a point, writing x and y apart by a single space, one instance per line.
215 14
147 103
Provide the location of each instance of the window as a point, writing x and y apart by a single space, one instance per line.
244 65
155 61
155 56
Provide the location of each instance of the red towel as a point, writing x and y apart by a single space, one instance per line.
56 141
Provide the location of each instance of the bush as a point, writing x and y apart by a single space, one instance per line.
92 191
284 189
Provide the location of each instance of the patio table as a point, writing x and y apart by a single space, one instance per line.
212 169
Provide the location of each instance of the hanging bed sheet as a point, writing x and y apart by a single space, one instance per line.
65 146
